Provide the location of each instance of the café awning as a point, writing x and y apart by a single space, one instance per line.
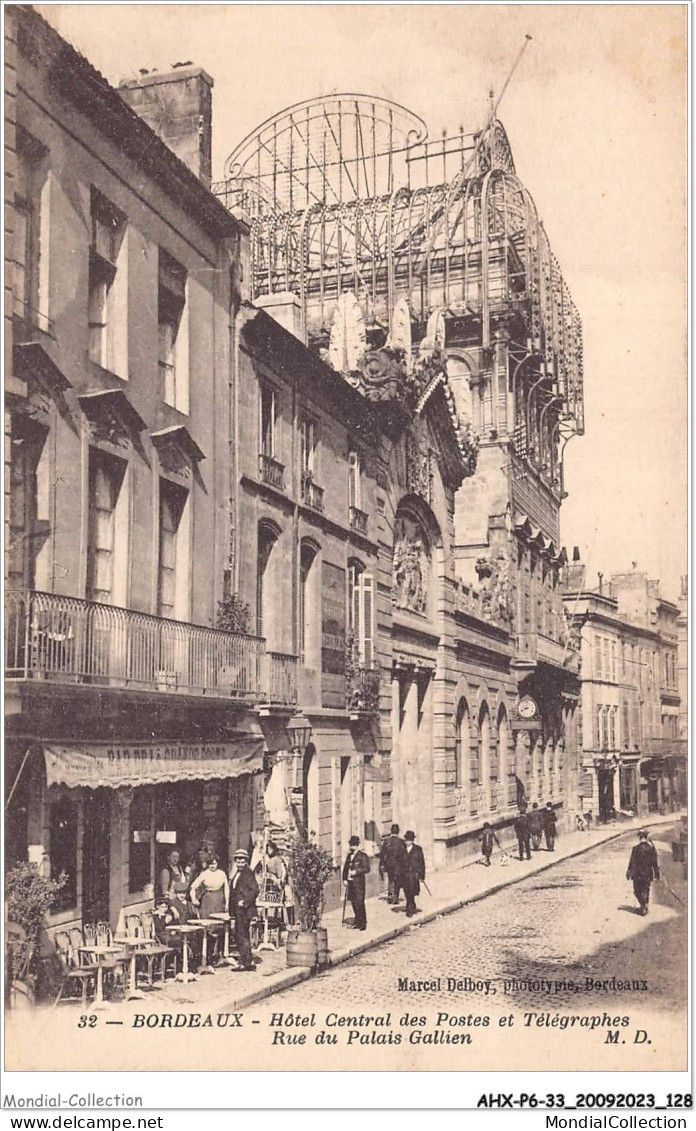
113 765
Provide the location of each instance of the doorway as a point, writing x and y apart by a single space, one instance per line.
605 786
96 855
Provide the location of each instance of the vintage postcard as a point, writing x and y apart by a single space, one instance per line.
345 561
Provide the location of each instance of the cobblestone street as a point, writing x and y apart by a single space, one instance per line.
574 922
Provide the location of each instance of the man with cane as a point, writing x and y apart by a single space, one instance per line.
355 869
643 869
390 859
412 871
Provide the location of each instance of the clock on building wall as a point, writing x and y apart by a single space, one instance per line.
527 708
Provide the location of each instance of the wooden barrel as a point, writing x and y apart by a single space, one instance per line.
301 948
322 946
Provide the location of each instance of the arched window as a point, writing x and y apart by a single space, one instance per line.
462 744
503 742
267 538
484 745
309 646
361 612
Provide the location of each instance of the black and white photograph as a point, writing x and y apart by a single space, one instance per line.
346 594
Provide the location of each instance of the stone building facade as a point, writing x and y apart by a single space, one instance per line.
127 724
634 759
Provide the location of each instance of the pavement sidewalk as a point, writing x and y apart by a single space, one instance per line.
450 890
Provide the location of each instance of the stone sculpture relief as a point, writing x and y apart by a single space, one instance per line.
411 568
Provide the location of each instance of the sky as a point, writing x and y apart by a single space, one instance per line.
596 117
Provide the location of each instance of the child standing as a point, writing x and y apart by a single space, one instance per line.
487 838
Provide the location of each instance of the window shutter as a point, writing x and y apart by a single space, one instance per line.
367 619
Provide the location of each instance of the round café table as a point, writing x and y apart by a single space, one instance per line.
134 946
100 954
208 924
223 917
184 929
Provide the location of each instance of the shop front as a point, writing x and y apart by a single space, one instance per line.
106 816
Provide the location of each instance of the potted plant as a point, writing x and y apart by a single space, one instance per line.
28 896
310 867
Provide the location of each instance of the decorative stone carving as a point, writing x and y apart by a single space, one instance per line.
494 576
107 427
400 333
174 461
419 467
411 568
347 340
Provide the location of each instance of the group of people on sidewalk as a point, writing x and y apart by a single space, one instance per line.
401 860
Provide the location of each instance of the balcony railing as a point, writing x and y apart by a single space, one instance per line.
312 494
280 683
272 472
68 640
362 688
358 520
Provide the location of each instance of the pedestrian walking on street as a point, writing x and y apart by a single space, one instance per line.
355 869
643 869
521 826
536 826
488 838
243 892
390 858
412 871
549 820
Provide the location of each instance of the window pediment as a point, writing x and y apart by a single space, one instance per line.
178 452
112 418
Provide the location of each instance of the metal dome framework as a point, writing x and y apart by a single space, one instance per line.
348 194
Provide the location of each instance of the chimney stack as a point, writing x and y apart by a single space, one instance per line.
178 106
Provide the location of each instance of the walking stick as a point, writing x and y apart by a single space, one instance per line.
427 888
345 900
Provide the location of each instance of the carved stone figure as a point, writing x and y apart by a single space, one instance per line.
496 588
411 565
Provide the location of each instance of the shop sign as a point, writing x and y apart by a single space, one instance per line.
114 766
333 636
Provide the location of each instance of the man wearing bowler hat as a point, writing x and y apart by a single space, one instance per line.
412 871
243 892
355 869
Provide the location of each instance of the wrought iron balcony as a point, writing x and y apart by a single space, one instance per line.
358 520
312 493
280 682
362 689
67 640
272 472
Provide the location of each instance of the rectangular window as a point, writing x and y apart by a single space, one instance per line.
62 848
612 728
140 840
172 345
104 311
598 657
308 447
31 178
361 613
268 408
105 481
613 660
354 484
171 508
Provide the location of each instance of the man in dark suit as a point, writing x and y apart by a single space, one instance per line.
412 871
643 869
523 833
390 857
355 869
549 819
243 892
